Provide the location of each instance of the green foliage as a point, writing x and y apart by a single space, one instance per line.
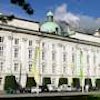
76 82
24 5
98 83
30 82
46 81
10 83
62 81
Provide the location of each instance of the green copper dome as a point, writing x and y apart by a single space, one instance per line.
50 25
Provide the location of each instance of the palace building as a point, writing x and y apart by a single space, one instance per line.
44 51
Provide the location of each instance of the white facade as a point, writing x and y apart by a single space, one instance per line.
71 57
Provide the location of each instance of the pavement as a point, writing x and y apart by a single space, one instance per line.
49 94
2 92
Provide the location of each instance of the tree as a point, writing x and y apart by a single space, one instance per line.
76 82
24 5
10 83
62 81
46 81
30 82
98 83
5 18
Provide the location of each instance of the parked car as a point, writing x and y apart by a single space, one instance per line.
24 90
44 88
36 90
52 88
79 89
63 87
27 90
66 87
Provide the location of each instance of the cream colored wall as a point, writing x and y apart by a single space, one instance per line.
85 37
23 24
23 46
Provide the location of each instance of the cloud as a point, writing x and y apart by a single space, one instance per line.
61 14
89 24
79 22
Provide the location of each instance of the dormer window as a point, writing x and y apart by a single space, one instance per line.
1 39
57 30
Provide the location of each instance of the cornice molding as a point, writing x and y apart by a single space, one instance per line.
46 35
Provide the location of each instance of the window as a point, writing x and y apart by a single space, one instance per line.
16 53
53 68
43 55
64 68
30 42
43 67
64 57
57 30
1 50
30 66
94 58
43 45
0 80
1 66
53 55
53 46
73 54
15 66
30 54
1 39
73 57
16 41
88 59
64 48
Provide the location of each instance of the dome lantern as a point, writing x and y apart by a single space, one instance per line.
50 26
50 16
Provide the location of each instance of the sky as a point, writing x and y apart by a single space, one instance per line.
76 12
78 7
